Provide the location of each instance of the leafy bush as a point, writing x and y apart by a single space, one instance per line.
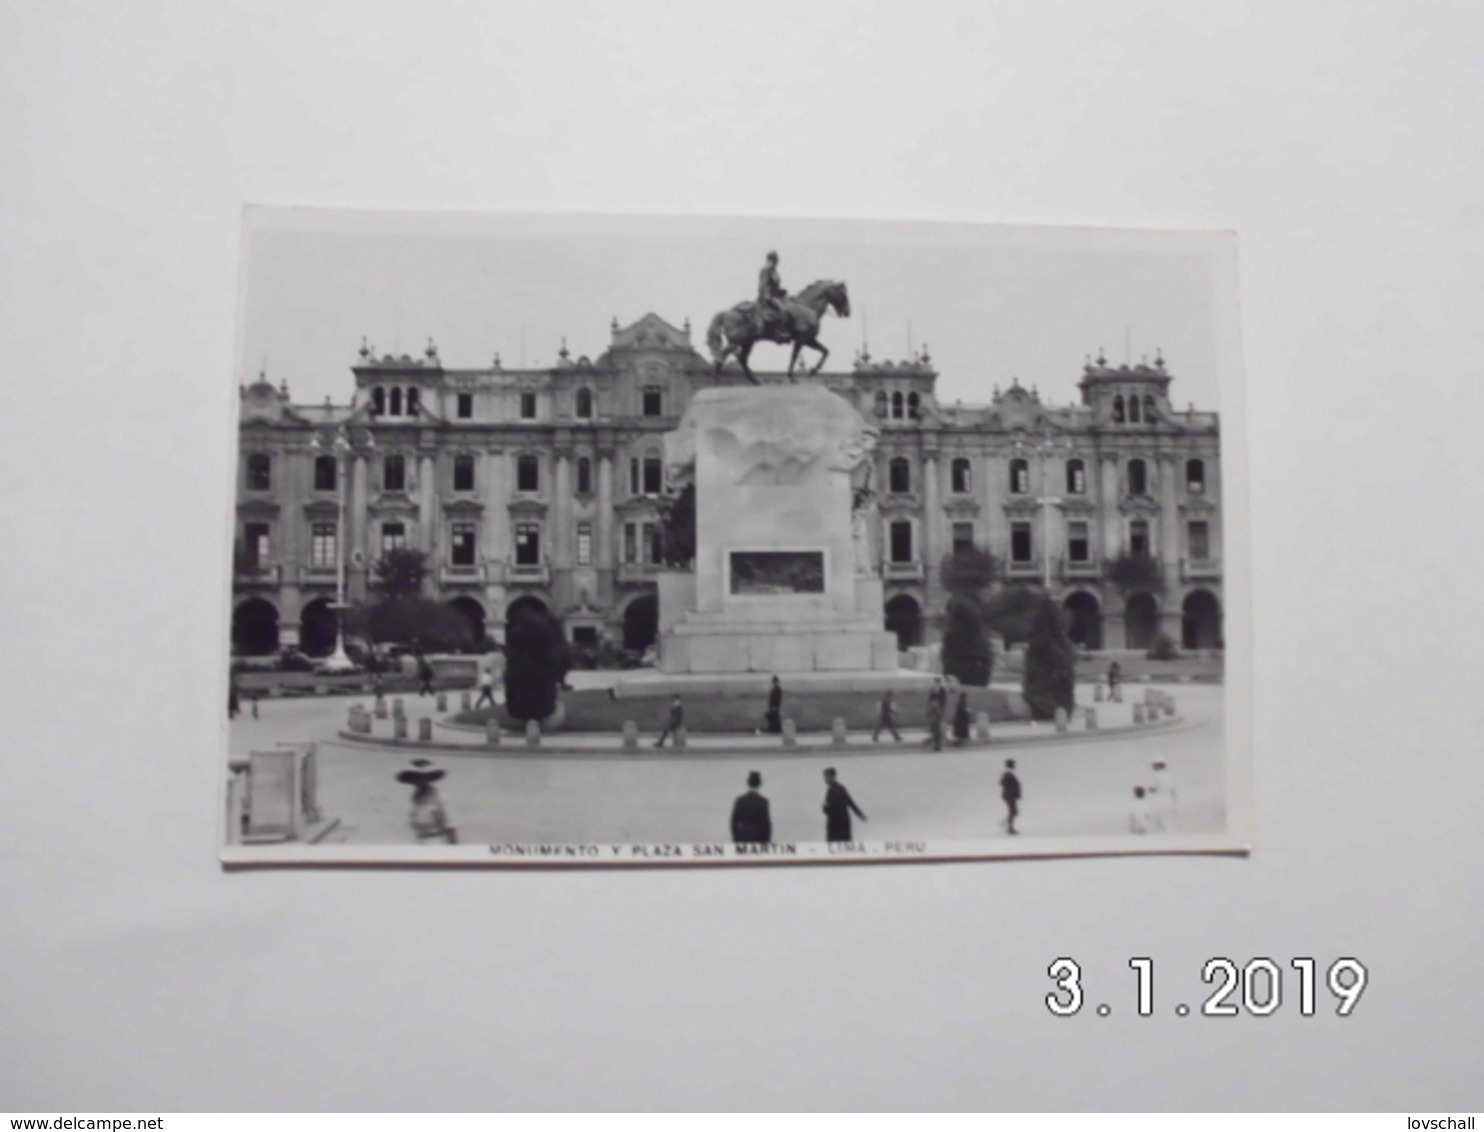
1163 648
537 660
427 625
1011 611
967 655
967 570
1050 664
1132 573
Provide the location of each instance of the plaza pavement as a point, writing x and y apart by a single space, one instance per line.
1076 786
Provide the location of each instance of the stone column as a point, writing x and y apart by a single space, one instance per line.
1112 533
427 518
932 548
357 509
1170 612
603 552
560 527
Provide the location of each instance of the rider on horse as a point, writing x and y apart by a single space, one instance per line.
770 294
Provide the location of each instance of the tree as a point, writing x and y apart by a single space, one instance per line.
967 655
1134 572
537 660
967 570
412 621
1011 611
399 573
678 528
1050 664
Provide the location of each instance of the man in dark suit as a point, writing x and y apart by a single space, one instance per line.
751 819
1010 793
774 714
673 723
838 806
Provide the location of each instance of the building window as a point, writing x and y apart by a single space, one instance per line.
1076 477
634 475
412 402
963 537
584 544
654 401
643 542
259 472
255 543
584 403
461 544
393 537
1138 478
654 475
881 403
325 473
1021 548
394 473
527 544
1195 477
394 403
1138 538
465 406
896 407
1118 409
322 543
1198 535
527 474
1133 409
378 402
463 473
584 476
901 540
1149 410
914 406
630 542
1020 476
899 475
527 406
1078 548
961 476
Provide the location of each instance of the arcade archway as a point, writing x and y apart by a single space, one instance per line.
255 628
472 612
1140 621
641 622
1200 622
317 628
1084 620
904 618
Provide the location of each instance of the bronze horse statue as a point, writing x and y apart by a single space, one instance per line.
743 327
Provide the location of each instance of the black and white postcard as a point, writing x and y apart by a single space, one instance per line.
579 540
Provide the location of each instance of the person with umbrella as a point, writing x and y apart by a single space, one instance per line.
429 818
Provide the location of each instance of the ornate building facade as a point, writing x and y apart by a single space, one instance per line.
545 486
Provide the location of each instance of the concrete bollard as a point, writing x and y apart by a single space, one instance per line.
837 733
981 726
790 733
492 732
465 701
1170 704
630 735
1138 714
1061 721
1115 694
679 738
1097 693
399 727
533 733
353 718
441 701
380 707
424 730
1092 719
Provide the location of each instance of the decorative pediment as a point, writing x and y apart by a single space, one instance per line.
638 505
322 508
907 501
526 506
1078 505
1139 505
394 504
1021 505
264 507
962 505
650 332
1197 505
464 505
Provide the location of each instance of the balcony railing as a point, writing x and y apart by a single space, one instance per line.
1194 569
528 574
1023 568
902 571
638 571
451 575
266 575
1080 568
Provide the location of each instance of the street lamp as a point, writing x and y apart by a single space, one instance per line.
342 447
1044 448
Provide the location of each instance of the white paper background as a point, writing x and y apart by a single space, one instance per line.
1340 140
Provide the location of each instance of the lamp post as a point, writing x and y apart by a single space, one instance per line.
342 448
1047 446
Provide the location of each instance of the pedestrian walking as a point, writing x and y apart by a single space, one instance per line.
673 723
935 721
486 685
1115 680
886 718
234 704
378 686
838 806
424 677
774 714
961 720
1138 817
428 817
752 823
1010 792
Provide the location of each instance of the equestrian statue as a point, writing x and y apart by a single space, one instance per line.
778 317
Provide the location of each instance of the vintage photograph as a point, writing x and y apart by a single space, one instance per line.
586 540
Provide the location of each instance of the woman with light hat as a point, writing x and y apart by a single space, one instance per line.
429 820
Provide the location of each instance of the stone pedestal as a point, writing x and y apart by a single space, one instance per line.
780 583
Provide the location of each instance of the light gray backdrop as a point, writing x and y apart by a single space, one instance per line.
1339 140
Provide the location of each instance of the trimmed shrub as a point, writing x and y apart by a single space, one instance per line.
1050 664
537 660
967 654
1163 648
